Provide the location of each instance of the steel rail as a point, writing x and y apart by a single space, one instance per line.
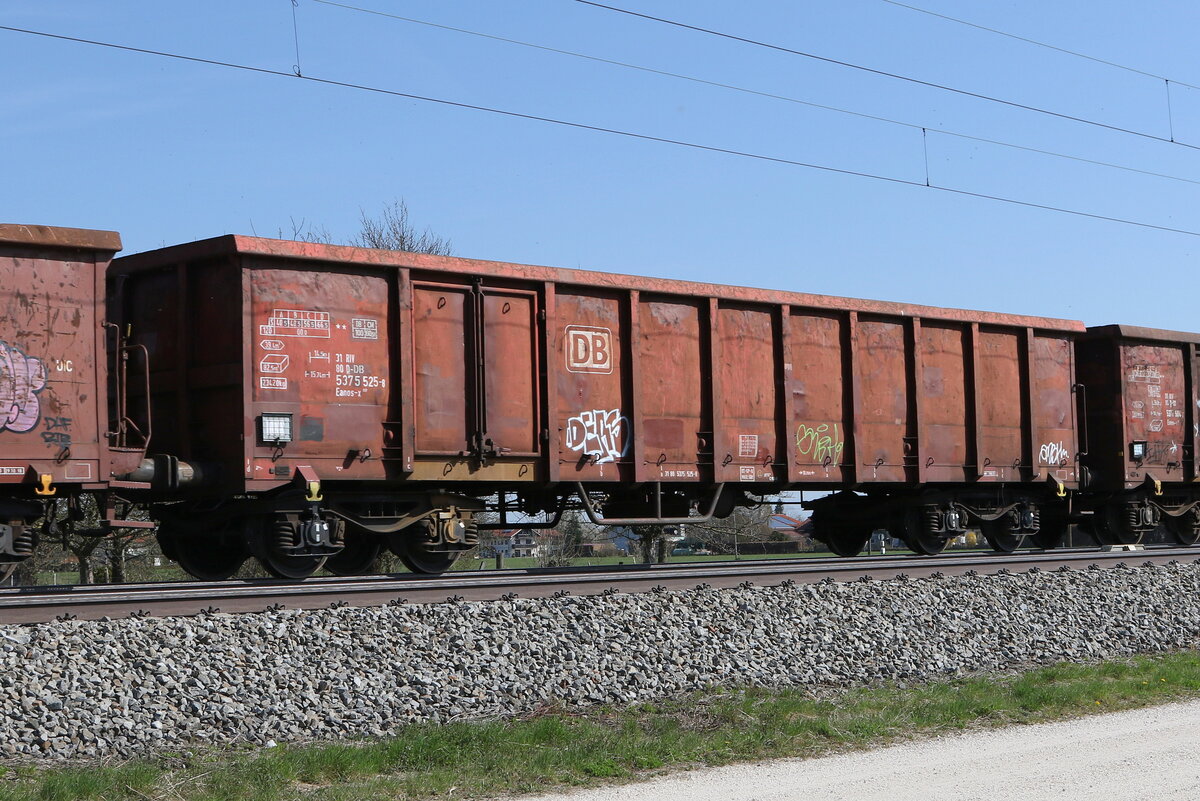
43 604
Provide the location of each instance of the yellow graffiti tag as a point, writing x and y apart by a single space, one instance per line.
823 443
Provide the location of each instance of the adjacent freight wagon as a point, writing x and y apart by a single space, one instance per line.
316 403
56 435
1141 433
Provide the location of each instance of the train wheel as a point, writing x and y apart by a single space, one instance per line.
357 557
267 543
1109 536
1001 535
417 547
166 543
1049 536
848 544
1052 526
909 526
842 540
286 566
1109 528
1185 528
213 558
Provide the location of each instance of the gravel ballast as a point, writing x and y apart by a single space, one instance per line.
135 686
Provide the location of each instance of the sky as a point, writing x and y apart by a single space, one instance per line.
169 151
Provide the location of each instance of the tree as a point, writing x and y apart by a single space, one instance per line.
723 535
652 542
552 551
131 556
64 520
394 231
571 529
391 230
49 557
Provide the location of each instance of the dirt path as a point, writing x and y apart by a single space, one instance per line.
1142 754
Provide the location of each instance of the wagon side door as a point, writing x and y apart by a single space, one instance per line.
474 369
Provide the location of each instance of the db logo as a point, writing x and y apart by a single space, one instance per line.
589 350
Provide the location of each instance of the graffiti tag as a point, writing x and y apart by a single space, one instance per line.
21 379
599 434
1161 452
1053 453
57 433
821 443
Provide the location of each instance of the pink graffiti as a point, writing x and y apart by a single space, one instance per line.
21 378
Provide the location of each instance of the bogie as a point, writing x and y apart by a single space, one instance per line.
434 543
920 528
207 558
1185 527
359 554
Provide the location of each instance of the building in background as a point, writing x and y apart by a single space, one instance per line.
519 543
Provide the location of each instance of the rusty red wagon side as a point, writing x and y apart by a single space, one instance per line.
406 389
55 430
1142 432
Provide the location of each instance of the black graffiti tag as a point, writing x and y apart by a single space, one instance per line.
57 433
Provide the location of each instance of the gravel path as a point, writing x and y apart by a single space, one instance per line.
1126 756
123 687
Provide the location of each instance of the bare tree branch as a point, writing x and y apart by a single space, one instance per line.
391 230
394 231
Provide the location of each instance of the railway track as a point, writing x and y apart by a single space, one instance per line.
43 604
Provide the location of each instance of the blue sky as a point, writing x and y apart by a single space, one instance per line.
167 151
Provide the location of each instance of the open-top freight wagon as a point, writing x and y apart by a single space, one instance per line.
1141 433
58 436
312 404
321 402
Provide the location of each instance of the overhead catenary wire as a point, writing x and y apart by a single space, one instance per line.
894 75
1046 45
1170 115
296 35
594 128
759 93
1166 81
925 150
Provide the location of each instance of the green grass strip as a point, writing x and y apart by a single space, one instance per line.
556 748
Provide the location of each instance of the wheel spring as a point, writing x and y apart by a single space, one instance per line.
1138 518
933 518
283 535
1035 519
24 541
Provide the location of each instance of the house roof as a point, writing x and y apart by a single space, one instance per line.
509 533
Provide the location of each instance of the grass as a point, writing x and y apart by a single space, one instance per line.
472 760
